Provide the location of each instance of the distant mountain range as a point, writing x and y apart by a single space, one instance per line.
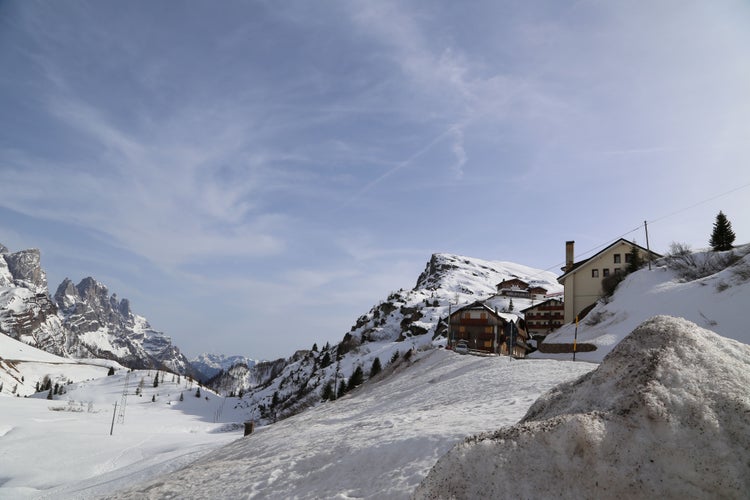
79 321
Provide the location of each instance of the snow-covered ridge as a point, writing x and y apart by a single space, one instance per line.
664 416
209 365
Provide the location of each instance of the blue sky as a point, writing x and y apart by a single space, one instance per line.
253 176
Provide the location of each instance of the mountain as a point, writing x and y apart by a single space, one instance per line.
80 321
210 365
406 321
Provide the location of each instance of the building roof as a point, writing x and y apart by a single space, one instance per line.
577 265
541 304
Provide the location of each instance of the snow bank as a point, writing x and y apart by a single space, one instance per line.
666 415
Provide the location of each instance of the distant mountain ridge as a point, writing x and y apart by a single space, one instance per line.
210 365
80 321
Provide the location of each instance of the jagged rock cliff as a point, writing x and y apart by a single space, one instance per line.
81 321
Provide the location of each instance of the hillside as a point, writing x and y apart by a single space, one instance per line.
708 288
405 321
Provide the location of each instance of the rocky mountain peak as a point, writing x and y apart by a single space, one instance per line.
3 249
26 269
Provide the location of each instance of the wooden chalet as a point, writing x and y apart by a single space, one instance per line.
519 288
484 329
544 317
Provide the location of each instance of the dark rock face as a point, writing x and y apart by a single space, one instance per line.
25 267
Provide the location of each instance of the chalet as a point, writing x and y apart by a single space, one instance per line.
483 328
544 317
583 279
519 288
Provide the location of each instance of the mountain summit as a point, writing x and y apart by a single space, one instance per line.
81 321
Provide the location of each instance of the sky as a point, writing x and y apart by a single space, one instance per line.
255 175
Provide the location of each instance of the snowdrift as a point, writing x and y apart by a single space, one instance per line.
666 415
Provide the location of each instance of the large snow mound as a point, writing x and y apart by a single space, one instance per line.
666 415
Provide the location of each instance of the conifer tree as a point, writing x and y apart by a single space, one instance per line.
375 368
198 392
315 347
342 389
357 378
111 371
49 394
635 260
182 397
156 380
722 236
153 398
328 391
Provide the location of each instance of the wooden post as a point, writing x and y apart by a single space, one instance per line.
645 226
575 339
249 427
114 414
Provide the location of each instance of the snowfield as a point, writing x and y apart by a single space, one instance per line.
664 416
377 442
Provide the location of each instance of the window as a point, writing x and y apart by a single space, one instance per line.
617 258
594 273
617 270
628 258
605 273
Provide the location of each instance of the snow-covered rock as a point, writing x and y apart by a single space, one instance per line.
664 416
83 321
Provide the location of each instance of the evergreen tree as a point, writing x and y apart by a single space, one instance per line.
153 398
49 394
328 391
342 389
510 306
395 356
722 236
156 380
1 387
635 260
357 378
198 392
111 371
182 397
275 399
315 347
326 361
375 368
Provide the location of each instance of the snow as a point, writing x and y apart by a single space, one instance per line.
62 448
378 441
664 416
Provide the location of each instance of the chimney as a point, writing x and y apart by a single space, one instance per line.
569 255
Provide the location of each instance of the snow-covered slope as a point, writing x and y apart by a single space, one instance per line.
405 320
62 449
664 416
709 289
22 367
377 442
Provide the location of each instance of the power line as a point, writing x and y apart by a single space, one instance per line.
638 228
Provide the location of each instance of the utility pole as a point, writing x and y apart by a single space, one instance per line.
645 226
575 339
114 414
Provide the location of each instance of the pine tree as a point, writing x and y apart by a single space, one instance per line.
722 236
328 391
357 378
315 347
326 361
395 356
49 394
343 388
182 397
375 368
635 260
156 380
198 392
111 371
153 398
510 306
